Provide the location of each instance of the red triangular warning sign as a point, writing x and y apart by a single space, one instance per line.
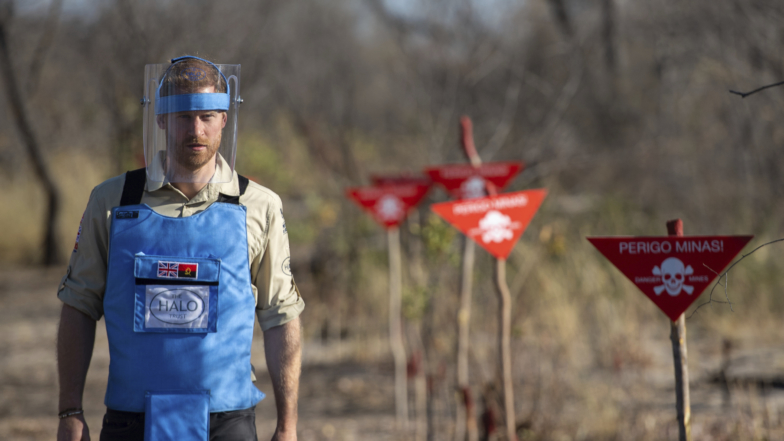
496 222
464 181
388 204
671 270
400 179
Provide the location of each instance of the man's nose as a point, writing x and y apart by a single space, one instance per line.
196 127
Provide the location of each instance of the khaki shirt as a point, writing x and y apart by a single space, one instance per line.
278 300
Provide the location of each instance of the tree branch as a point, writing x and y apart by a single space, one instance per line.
745 94
724 275
50 30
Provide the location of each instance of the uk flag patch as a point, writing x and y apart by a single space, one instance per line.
168 269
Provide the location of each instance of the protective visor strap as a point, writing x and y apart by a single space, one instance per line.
192 101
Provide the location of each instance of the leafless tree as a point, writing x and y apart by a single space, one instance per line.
23 121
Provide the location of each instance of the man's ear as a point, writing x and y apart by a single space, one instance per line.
161 120
225 118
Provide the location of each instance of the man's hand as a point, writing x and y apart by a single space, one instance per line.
75 340
73 428
283 352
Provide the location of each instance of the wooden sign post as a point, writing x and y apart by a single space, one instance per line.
673 271
396 326
389 205
680 358
467 181
496 223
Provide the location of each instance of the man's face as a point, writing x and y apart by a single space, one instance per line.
194 137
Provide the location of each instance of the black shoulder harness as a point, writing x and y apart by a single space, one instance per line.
134 188
243 181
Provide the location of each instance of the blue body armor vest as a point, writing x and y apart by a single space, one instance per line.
179 308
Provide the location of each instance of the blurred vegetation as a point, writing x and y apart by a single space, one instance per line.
619 108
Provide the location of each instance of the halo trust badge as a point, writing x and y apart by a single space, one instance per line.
168 306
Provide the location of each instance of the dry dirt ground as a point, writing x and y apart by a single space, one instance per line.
349 396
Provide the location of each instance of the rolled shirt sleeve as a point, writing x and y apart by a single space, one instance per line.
278 299
84 283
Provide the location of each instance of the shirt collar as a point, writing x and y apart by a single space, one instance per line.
223 181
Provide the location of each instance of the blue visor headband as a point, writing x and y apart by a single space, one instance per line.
191 101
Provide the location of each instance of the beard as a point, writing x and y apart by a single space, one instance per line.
193 160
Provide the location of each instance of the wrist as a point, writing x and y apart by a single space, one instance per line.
285 435
286 426
74 411
69 401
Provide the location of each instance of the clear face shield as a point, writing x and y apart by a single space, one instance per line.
190 120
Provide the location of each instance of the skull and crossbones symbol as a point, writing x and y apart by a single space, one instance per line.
496 227
673 274
472 188
389 208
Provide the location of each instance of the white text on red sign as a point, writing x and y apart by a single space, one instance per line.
665 247
481 206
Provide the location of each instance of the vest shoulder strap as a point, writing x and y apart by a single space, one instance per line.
243 182
133 190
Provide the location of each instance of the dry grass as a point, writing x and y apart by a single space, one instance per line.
569 385
592 357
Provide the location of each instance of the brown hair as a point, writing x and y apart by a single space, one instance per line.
190 75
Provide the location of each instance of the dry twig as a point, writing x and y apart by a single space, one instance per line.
725 276
745 94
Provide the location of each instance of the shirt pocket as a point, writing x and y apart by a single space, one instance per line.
176 294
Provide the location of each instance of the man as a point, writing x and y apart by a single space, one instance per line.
178 257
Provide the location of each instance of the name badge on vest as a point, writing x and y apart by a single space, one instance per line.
176 294
183 307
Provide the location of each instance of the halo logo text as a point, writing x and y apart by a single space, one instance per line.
177 306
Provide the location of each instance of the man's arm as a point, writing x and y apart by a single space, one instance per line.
75 341
283 352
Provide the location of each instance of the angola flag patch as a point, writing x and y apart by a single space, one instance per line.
188 270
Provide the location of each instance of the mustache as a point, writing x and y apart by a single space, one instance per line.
196 140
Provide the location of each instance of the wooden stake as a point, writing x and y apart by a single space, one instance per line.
469 428
504 349
396 329
679 355
504 311
465 421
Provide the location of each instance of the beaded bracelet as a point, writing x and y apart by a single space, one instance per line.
70 412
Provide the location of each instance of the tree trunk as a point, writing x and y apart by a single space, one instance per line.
608 34
562 17
16 103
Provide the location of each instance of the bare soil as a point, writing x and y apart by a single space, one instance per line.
347 392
